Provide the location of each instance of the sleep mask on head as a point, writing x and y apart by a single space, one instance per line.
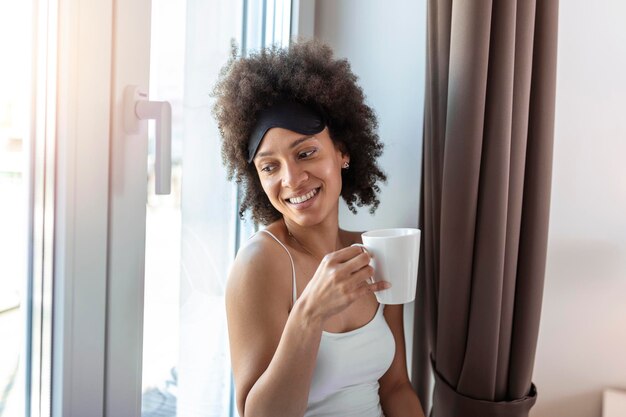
287 114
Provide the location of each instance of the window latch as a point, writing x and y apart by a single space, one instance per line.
137 107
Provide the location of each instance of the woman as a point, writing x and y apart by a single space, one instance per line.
307 336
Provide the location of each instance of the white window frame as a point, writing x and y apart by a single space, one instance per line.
97 301
92 373
81 206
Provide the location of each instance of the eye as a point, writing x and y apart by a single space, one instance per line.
267 168
306 154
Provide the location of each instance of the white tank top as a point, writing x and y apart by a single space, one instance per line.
348 366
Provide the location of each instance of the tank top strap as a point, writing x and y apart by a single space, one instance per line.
293 266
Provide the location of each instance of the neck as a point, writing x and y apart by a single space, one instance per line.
317 240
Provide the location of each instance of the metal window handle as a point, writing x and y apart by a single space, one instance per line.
137 107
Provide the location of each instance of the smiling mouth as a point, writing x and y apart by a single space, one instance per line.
301 199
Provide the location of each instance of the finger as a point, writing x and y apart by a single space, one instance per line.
345 254
364 273
362 246
367 287
360 261
379 286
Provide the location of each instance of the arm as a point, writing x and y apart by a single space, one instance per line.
274 351
397 397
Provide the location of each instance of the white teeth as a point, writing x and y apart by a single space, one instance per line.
303 198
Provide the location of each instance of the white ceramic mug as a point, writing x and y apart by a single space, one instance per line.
395 258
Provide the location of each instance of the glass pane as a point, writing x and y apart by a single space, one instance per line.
162 273
15 83
193 234
190 234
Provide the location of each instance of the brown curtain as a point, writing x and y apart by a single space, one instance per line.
486 177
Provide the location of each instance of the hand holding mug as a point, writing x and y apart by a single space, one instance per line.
341 278
395 258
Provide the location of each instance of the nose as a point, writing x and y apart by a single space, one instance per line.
294 175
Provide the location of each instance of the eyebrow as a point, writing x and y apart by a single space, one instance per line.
293 145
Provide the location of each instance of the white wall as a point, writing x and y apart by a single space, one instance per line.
385 44
582 340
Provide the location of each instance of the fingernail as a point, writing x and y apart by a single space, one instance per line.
387 285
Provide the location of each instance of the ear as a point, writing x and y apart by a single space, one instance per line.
345 156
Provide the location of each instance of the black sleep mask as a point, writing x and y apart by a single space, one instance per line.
287 114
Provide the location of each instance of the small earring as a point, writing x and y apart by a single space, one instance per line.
346 165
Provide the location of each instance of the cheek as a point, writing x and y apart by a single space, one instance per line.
332 172
269 186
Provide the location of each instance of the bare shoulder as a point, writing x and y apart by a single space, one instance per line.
260 270
258 298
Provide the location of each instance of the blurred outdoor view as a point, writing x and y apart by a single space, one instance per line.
163 220
190 234
15 87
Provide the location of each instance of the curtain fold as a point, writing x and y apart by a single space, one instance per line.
485 193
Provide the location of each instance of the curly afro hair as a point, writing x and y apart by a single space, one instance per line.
307 72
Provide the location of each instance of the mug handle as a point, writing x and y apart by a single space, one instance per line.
371 279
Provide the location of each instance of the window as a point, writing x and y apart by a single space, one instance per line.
193 234
159 347
26 178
